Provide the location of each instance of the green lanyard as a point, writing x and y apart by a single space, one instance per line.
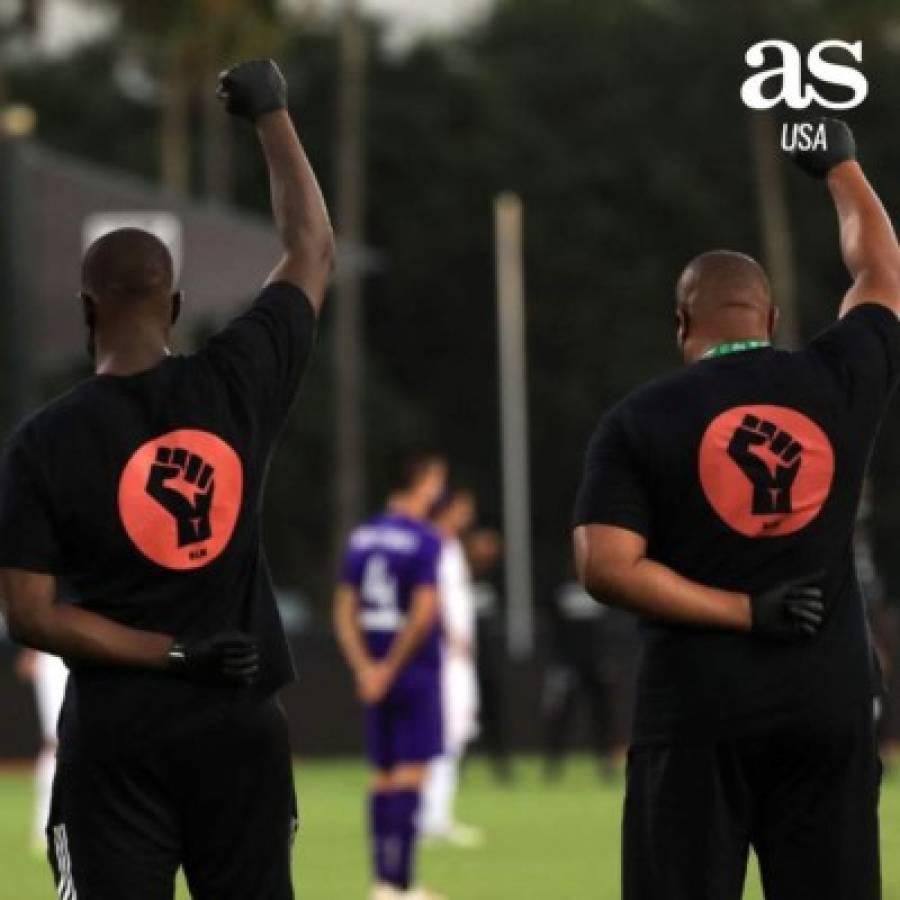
734 347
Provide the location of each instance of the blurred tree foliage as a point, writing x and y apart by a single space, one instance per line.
621 125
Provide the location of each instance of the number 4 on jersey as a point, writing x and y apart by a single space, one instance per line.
381 610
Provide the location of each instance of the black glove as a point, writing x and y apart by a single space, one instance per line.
226 657
839 147
789 610
252 89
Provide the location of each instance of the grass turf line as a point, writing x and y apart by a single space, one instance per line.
558 841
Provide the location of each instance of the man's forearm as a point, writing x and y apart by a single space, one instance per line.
656 591
298 206
868 242
347 629
81 636
421 619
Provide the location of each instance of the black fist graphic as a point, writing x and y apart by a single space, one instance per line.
182 483
771 487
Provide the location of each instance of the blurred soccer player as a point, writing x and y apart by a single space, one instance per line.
387 623
453 516
710 499
142 489
47 674
580 671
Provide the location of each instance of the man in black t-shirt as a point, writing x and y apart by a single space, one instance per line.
141 490
719 503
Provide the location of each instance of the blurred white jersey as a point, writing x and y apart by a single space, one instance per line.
459 677
50 679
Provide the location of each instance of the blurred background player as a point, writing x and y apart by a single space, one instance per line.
387 621
484 549
453 517
579 673
47 675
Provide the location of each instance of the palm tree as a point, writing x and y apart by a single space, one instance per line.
186 42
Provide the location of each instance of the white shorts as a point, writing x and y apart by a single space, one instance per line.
460 698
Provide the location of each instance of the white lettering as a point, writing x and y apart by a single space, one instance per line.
832 73
757 93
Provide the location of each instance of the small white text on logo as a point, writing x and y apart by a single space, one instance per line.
803 136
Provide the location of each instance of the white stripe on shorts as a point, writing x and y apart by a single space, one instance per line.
66 888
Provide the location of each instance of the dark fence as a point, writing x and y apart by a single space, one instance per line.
325 717
521 702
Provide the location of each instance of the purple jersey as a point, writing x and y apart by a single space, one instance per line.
387 559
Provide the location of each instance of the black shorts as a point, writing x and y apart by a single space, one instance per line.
218 802
805 798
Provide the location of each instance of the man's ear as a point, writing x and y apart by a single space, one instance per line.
774 319
88 308
682 327
177 302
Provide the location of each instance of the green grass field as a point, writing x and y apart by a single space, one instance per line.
545 842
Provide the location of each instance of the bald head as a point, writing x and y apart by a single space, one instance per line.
127 266
724 296
127 280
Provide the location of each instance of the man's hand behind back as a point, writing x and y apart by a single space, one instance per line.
229 657
793 609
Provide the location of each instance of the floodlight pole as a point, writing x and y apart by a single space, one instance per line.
350 469
508 219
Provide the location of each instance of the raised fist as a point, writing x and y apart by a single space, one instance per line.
839 146
182 483
252 89
772 483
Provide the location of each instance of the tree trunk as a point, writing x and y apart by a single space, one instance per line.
217 144
775 225
175 128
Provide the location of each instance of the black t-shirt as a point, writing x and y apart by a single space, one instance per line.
741 471
143 493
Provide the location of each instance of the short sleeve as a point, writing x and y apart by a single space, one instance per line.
613 490
264 352
862 352
28 536
425 573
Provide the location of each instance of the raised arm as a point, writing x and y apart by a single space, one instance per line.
257 91
868 243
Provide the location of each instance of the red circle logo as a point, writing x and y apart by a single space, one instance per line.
179 498
766 470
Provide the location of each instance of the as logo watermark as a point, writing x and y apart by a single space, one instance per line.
798 83
789 76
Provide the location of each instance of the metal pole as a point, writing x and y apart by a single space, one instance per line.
508 215
350 474
16 371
